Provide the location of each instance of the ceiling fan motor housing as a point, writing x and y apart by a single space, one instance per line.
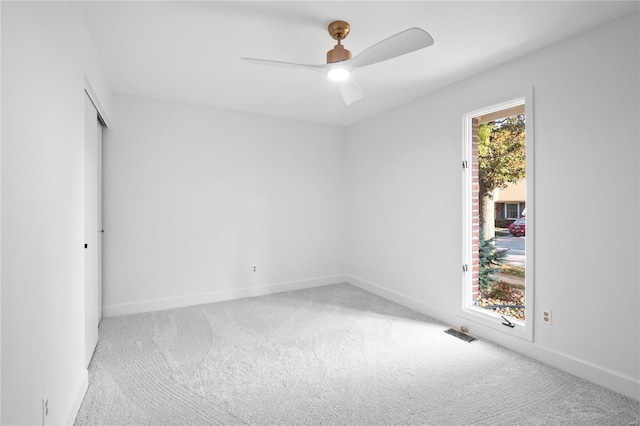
338 31
337 54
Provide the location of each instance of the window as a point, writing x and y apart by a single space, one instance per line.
500 297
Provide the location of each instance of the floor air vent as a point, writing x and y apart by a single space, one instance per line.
460 335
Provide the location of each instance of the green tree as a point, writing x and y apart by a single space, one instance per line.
501 160
490 259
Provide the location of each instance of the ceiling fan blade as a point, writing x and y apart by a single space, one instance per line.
350 90
400 44
318 68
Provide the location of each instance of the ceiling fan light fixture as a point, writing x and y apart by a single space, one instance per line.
338 74
400 44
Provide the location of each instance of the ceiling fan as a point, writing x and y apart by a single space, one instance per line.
339 64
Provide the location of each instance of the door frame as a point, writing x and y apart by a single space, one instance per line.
92 227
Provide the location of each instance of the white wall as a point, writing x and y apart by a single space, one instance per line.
44 54
194 197
405 190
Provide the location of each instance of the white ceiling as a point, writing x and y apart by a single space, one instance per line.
190 51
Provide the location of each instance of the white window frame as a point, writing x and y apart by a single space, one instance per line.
485 317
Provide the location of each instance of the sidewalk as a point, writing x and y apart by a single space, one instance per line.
510 279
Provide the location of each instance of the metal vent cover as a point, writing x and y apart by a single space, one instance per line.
460 335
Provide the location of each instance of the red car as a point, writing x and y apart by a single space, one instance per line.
517 228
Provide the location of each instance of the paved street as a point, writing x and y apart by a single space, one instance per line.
515 255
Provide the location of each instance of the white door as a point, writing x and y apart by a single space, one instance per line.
92 197
100 229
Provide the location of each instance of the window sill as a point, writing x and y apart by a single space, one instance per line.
486 318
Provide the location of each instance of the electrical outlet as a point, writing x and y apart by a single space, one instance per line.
45 410
546 317
253 269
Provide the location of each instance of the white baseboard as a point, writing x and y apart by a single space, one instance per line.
402 299
219 296
83 385
603 376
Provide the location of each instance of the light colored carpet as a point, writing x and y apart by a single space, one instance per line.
327 355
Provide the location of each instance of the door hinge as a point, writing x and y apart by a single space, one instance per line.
465 268
465 165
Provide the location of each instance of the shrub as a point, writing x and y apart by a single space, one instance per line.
490 261
503 223
501 291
